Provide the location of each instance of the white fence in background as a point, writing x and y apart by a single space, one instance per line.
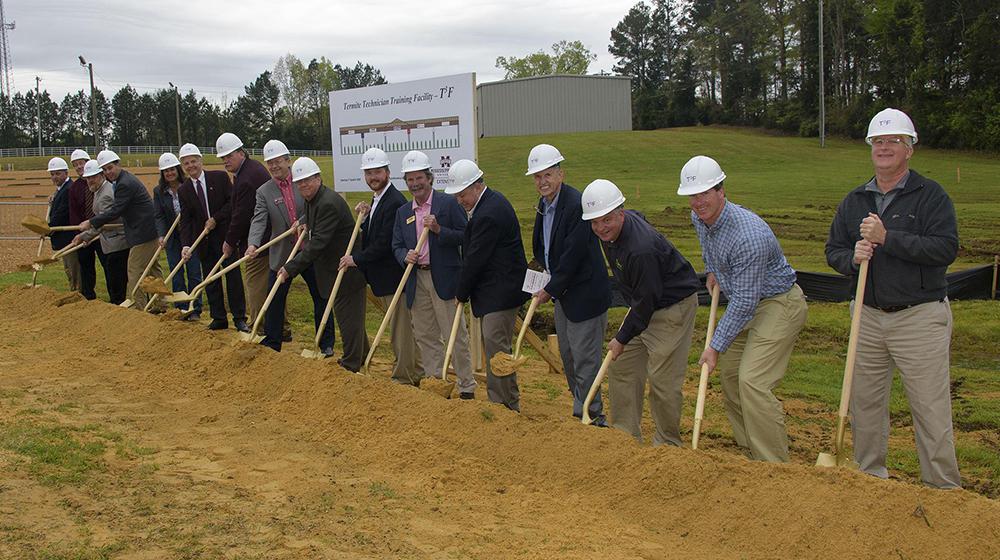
66 151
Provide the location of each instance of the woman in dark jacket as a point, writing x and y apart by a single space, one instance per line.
166 207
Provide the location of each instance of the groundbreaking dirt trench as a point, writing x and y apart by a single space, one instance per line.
268 455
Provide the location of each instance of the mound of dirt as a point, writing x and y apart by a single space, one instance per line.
473 479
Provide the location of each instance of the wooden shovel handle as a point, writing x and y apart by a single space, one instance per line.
459 308
274 289
338 280
852 352
241 260
177 268
395 298
699 408
524 326
596 385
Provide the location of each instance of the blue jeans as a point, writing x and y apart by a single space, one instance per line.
274 318
192 269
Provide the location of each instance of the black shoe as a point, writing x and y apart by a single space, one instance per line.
327 352
467 396
241 325
218 325
194 317
286 336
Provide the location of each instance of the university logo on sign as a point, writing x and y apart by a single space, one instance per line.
446 162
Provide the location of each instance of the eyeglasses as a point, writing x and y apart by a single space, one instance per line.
887 142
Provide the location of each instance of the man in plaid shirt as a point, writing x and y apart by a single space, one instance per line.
766 310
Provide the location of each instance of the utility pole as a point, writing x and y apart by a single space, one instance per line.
177 103
822 89
38 113
93 102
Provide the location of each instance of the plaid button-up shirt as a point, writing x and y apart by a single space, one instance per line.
746 258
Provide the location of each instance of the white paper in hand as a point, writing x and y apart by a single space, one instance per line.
534 281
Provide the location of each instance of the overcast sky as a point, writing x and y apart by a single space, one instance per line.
217 47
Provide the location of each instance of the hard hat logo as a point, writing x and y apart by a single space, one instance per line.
698 175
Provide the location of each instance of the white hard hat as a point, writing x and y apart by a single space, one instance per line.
375 158
168 160
698 175
227 143
415 161
79 154
91 168
273 149
106 156
891 121
303 168
462 173
188 150
542 157
58 164
600 197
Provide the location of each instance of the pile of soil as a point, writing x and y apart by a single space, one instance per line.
295 449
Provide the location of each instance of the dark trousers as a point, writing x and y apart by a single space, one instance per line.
274 318
192 269
234 287
88 268
115 273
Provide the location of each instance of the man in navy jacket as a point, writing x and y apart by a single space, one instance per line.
493 270
570 252
430 289
376 261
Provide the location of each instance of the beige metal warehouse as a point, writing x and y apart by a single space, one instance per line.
557 103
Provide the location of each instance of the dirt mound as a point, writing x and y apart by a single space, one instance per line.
469 478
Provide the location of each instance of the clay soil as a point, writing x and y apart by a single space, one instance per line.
240 452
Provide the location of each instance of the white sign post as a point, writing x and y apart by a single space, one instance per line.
435 116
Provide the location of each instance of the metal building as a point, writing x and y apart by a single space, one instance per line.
557 103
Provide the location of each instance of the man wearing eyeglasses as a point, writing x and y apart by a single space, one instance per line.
904 225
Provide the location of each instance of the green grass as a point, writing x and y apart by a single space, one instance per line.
56 455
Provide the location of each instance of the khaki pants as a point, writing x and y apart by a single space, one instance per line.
406 369
138 258
256 282
659 353
432 318
753 366
71 264
917 341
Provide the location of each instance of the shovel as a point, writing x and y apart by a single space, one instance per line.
317 354
130 301
41 243
596 385
442 386
61 253
42 227
184 296
158 287
699 408
252 336
395 299
199 288
503 364
839 456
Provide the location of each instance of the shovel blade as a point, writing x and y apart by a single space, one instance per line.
36 224
177 297
437 386
502 364
154 285
312 354
829 460
127 303
249 337
45 260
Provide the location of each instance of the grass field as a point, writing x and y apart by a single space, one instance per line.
795 186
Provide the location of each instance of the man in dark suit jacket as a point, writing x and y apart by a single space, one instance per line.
570 252
134 206
206 201
59 215
492 269
329 224
248 176
430 290
376 261
81 202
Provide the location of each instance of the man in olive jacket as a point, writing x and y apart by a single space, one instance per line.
329 224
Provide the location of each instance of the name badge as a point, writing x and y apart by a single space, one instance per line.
410 220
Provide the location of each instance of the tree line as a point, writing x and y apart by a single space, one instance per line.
289 102
756 63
